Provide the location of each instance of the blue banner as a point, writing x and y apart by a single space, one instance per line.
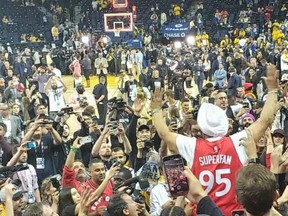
175 30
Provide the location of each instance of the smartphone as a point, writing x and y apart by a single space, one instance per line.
113 124
177 181
31 144
84 140
238 213
68 110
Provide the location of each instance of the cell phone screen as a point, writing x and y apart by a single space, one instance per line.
176 180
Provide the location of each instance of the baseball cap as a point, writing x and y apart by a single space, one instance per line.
143 127
278 131
18 194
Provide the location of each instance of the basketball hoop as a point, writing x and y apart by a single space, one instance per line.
117 32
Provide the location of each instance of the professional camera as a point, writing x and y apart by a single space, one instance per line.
6 172
140 199
116 103
131 183
83 102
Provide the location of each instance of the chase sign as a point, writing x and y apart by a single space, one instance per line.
175 30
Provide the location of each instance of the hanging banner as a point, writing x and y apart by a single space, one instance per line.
175 30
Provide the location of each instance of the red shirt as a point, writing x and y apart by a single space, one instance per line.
105 196
216 166
68 179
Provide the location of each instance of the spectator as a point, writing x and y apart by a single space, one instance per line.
13 130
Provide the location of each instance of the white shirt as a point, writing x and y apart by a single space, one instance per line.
284 63
186 146
56 99
57 72
158 197
7 122
36 58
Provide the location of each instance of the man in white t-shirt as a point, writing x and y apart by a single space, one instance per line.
55 93
216 159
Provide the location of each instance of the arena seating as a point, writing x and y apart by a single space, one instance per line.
24 20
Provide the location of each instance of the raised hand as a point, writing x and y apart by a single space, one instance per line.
156 99
138 105
272 78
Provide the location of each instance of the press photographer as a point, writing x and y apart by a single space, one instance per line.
26 173
81 99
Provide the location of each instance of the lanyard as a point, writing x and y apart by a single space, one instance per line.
42 150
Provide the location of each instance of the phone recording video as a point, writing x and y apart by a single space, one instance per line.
31 144
85 140
177 181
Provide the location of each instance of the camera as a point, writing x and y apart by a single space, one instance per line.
140 199
55 180
68 110
83 102
6 172
148 144
117 104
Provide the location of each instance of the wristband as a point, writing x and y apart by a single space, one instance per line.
254 161
73 149
154 111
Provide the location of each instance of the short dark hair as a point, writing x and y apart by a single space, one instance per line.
37 107
185 100
4 126
89 110
95 160
35 209
117 149
255 189
116 205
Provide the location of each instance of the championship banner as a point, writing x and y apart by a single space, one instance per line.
175 30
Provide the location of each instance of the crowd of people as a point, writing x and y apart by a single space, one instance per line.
222 107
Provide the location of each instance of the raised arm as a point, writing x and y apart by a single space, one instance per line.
269 110
71 156
98 143
167 136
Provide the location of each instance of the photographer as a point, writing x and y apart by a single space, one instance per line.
28 177
81 99
41 157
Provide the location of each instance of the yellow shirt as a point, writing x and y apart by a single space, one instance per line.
177 10
242 33
54 31
5 20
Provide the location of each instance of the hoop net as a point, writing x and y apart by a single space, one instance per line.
117 32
